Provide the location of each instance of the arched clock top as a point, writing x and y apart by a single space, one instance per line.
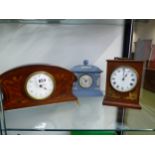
33 85
89 77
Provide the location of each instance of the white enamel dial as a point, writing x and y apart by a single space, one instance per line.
40 85
86 81
124 79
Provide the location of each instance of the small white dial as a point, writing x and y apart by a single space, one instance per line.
40 85
85 81
124 79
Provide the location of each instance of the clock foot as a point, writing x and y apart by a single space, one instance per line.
77 102
87 93
122 104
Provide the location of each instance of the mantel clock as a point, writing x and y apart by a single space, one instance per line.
34 85
88 80
124 79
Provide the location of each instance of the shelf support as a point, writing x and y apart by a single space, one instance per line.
2 116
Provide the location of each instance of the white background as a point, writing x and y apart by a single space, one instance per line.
65 45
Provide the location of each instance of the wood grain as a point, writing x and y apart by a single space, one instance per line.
125 99
13 86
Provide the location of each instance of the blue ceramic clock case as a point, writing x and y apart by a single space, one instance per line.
91 73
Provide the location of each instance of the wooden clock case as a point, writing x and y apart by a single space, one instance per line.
123 99
13 81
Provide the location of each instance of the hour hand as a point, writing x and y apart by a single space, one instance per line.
41 86
123 74
124 77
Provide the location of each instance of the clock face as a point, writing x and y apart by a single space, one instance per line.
86 81
40 85
124 79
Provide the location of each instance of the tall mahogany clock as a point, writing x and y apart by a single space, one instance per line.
34 85
124 79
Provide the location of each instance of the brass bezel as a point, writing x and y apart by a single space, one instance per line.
126 66
39 72
82 76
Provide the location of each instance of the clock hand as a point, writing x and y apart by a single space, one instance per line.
40 82
41 86
45 88
123 74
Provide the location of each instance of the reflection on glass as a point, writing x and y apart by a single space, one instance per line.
143 49
67 42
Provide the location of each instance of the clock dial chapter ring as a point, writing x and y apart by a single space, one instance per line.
85 81
124 78
40 85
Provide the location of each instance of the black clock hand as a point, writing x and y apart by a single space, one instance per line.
123 74
41 86
45 88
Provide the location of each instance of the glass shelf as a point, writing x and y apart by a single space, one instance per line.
66 43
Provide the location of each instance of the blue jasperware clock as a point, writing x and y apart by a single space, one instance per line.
88 83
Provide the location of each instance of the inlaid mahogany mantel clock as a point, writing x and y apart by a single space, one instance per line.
124 79
34 85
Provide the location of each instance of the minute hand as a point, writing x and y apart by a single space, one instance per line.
124 77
